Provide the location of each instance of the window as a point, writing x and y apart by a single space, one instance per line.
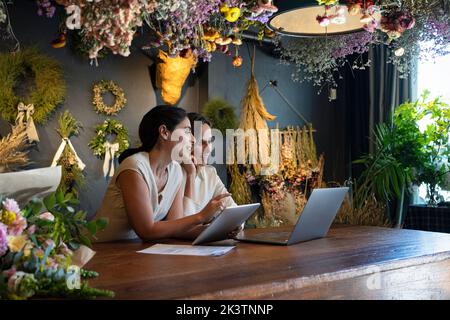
433 76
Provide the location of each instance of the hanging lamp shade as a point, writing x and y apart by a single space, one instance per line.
298 18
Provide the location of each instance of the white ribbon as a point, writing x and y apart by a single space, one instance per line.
64 142
25 116
108 164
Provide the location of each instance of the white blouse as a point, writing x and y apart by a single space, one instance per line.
113 206
207 185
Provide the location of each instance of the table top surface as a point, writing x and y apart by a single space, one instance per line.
347 251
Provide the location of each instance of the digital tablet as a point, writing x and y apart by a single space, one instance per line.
228 220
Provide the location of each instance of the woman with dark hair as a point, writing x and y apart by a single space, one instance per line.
200 180
144 197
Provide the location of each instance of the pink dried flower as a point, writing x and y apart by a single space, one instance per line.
371 26
31 230
11 205
18 225
3 239
323 20
48 243
65 249
406 20
47 216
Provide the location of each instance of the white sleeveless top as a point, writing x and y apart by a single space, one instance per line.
113 206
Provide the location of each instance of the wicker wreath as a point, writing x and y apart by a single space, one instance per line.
100 106
109 127
49 87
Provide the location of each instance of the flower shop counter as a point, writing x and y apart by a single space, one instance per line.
352 262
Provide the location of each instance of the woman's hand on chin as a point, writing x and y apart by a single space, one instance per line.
190 167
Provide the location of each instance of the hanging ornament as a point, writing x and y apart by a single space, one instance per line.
3 15
399 52
171 73
47 93
108 86
354 9
237 61
108 150
254 118
25 118
60 40
66 156
9 42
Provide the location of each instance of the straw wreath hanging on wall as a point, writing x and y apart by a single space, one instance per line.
47 91
107 150
118 93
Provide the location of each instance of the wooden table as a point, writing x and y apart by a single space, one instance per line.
350 263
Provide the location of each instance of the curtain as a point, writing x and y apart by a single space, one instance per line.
368 98
386 89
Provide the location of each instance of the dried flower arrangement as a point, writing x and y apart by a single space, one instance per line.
46 95
107 23
372 213
99 105
12 149
402 26
178 26
283 194
254 116
72 167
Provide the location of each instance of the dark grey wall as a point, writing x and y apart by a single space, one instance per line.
218 79
229 83
130 73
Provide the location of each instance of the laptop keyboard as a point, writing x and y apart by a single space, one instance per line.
277 236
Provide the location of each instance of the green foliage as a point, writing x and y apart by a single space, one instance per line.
72 176
51 283
434 164
68 125
42 265
69 226
385 176
82 45
49 86
88 274
107 128
404 154
221 114
85 292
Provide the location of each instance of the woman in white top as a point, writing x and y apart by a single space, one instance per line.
144 197
201 181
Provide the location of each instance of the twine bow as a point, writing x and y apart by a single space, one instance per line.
25 117
64 143
108 164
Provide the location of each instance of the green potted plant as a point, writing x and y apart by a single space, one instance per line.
433 168
405 155
389 168
434 165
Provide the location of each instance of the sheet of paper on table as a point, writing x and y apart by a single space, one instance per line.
188 250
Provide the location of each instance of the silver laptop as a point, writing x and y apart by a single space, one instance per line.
228 220
313 223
